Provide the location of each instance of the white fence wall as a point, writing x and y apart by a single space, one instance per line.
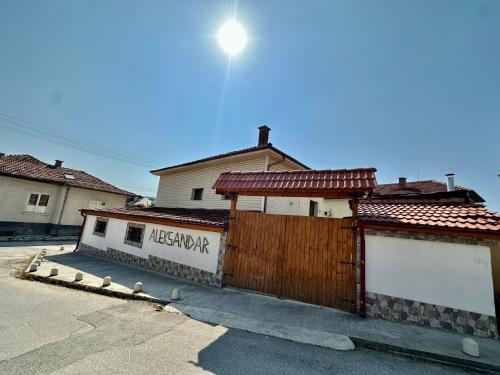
115 236
446 274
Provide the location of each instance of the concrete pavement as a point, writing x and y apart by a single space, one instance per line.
286 319
45 329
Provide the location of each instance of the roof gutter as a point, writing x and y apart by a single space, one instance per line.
62 209
81 229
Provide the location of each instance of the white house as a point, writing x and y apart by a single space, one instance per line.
41 199
424 256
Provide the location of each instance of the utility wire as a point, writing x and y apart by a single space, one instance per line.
36 131
32 126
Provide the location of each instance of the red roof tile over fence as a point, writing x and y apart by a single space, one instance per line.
197 216
323 183
464 217
30 168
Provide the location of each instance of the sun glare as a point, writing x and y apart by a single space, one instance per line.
232 37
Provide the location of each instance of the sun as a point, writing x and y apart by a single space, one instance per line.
232 37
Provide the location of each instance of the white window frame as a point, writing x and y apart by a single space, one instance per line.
100 204
103 219
36 209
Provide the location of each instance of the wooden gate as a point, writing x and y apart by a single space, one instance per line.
305 258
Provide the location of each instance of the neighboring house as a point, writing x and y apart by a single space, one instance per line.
424 187
141 202
39 198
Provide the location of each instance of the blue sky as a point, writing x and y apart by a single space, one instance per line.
410 87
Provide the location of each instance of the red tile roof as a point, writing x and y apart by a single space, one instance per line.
269 146
324 183
464 217
216 218
30 168
424 186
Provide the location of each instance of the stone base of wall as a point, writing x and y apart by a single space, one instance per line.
429 315
13 229
161 265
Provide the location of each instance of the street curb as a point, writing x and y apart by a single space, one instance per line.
91 289
468 364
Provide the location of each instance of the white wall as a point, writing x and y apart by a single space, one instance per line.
174 189
445 274
14 194
337 207
80 198
115 236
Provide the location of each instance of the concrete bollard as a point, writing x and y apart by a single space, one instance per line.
54 272
33 267
61 248
176 294
44 251
106 281
38 262
138 287
78 276
470 347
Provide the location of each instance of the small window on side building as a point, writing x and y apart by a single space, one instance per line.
96 204
134 234
37 203
101 224
197 194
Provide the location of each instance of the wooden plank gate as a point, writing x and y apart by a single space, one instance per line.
305 258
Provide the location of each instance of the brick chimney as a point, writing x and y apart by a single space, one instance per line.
264 135
402 182
58 164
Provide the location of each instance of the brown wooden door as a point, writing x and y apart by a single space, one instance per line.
309 259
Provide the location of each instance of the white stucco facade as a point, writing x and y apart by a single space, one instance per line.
63 206
160 244
441 273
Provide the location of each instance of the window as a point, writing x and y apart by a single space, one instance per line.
69 177
96 204
197 194
313 208
134 234
37 203
101 224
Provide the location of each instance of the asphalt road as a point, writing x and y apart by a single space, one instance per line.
47 329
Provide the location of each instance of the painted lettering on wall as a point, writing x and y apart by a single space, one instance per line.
180 240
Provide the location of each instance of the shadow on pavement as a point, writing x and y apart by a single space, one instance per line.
154 284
